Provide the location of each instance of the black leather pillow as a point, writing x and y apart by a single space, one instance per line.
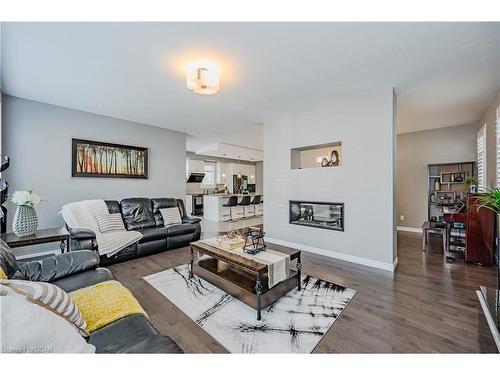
7 259
137 213
113 207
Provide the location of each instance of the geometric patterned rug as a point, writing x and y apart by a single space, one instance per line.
294 324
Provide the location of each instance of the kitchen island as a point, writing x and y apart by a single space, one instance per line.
213 208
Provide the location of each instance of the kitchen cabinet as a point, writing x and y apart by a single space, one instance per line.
222 173
480 236
189 204
194 166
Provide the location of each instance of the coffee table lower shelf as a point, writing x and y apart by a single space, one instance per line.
249 288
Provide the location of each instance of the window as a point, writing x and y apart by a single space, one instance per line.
210 173
481 139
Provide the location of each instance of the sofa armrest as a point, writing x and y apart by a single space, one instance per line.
191 219
81 234
59 266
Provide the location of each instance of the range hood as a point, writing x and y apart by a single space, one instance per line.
196 177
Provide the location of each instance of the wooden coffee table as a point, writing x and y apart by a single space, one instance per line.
244 279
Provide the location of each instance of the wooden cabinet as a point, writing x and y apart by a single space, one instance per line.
480 233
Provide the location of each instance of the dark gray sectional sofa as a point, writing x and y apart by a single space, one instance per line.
143 215
80 269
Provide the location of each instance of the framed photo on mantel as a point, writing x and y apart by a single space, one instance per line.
99 159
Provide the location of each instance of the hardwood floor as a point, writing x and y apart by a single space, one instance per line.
428 305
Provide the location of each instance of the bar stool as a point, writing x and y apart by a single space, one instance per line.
232 202
245 202
255 202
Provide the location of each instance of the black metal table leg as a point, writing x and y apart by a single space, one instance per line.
299 271
191 263
258 290
63 246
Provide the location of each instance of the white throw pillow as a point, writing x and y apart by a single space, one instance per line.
51 297
171 216
26 327
110 223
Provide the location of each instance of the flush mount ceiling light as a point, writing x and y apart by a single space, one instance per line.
203 77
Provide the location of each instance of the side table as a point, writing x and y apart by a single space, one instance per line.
434 228
41 236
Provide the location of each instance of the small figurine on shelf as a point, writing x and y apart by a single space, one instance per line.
437 184
433 198
254 241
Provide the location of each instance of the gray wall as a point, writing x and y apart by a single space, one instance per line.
37 137
415 151
364 182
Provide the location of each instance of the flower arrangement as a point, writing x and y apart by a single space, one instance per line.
25 198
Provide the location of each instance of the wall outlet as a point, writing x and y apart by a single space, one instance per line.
402 217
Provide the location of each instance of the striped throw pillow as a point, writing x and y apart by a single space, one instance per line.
110 223
171 216
52 298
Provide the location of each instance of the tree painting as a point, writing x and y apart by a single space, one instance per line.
108 160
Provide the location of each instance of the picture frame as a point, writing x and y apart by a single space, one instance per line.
108 160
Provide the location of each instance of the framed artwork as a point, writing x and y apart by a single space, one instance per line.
99 159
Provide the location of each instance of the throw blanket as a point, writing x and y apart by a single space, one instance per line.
104 303
82 215
278 264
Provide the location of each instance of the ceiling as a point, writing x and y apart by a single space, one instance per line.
444 73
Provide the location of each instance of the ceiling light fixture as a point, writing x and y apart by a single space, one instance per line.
203 77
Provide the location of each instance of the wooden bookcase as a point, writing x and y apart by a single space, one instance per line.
452 193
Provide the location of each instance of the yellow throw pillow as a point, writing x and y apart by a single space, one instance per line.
105 303
3 275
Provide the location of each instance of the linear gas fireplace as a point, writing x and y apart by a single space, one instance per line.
324 215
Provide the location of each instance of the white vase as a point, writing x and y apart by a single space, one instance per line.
25 221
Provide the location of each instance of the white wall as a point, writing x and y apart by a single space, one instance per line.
37 137
365 125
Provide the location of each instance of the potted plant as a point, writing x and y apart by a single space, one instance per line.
471 183
25 221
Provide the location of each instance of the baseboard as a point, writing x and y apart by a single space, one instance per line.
333 254
489 319
409 229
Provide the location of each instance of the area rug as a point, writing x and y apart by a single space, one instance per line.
294 324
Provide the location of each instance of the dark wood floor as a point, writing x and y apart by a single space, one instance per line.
428 305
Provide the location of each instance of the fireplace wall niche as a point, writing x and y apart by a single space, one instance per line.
325 215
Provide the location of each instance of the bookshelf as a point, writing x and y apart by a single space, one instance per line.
450 194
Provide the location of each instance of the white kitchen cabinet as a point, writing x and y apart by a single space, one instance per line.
195 166
189 204
222 173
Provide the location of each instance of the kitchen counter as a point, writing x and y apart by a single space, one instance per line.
231 195
213 208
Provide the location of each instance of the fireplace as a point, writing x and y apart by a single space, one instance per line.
325 215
